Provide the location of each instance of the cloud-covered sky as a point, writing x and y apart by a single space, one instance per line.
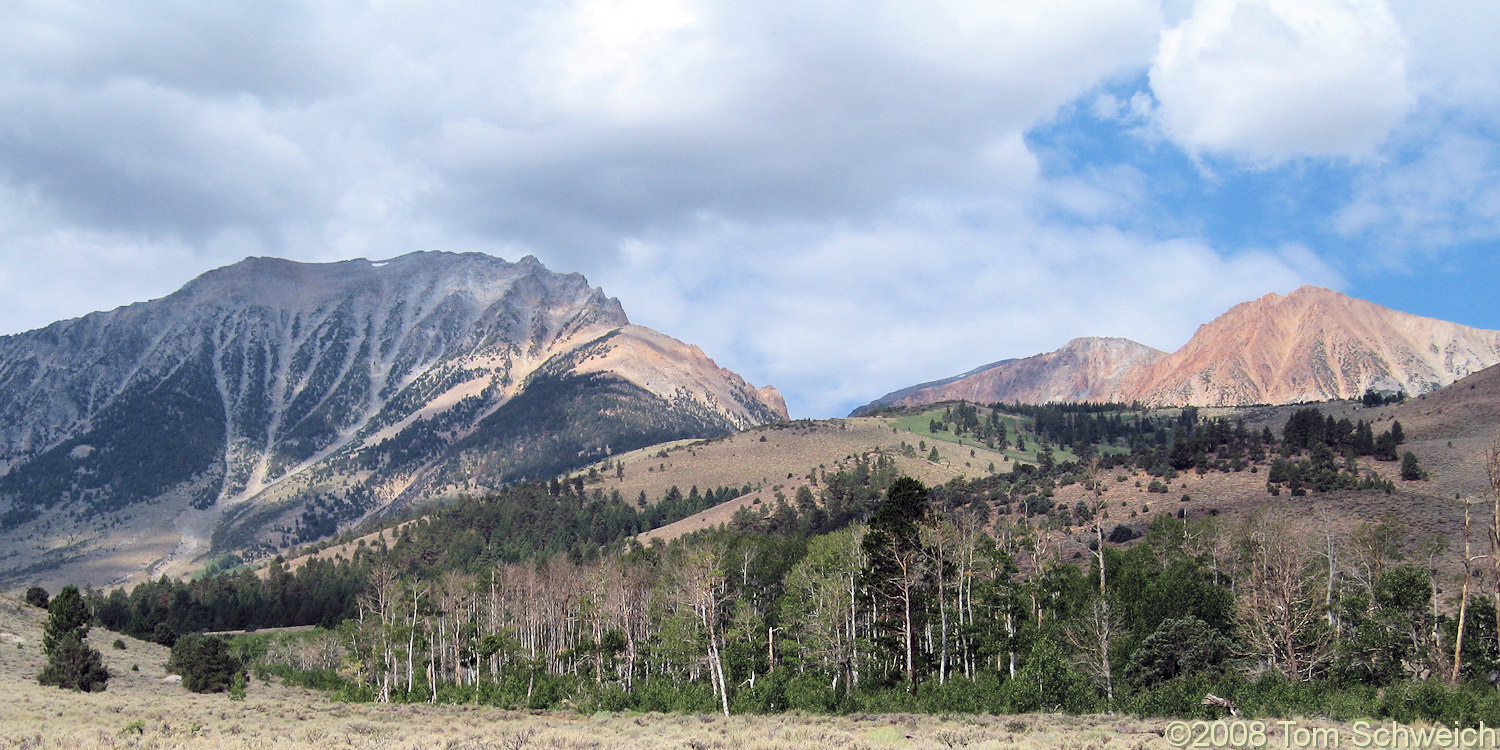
837 198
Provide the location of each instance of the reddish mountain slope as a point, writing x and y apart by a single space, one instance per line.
1085 369
1312 345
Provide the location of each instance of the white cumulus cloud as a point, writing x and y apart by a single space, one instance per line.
1266 81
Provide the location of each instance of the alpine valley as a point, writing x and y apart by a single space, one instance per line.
270 403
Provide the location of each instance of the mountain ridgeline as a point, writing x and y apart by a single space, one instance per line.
270 402
1311 345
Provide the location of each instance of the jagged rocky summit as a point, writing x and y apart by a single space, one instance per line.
271 402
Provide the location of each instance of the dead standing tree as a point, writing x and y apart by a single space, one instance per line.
1279 605
1492 471
1094 634
1463 597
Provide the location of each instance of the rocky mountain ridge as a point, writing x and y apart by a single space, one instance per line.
270 402
1078 371
1313 344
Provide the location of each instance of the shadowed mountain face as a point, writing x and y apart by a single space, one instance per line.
274 401
1311 345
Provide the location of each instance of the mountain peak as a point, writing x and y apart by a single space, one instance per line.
1081 368
1312 344
291 399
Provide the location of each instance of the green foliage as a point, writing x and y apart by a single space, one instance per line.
1178 647
237 686
845 608
71 663
892 546
74 665
1374 398
1046 682
1182 697
205 663
37 597
1387 638
69 618
1410 470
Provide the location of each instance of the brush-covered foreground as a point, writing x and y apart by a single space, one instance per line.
143 709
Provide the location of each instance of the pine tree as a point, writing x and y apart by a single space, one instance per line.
71 663
897 572
205 663
1411 470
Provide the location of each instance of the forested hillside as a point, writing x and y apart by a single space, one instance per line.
870 591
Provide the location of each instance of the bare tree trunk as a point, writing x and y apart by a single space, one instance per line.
1492 471
1463 598
1278 606
1010 632
411 638
1105 631
853 634
910 635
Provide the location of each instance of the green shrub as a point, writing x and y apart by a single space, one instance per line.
204 662
37 597
1177 647
666 696
1046 682
812 692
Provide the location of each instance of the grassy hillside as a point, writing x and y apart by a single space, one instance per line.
1448 431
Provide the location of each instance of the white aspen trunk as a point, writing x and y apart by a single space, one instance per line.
1010 632
911 664
432 670
1463 601
719 668
853 635
943 634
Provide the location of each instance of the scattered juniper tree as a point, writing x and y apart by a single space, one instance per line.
37 597
71 663
205 663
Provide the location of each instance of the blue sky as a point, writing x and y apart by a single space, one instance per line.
837 198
